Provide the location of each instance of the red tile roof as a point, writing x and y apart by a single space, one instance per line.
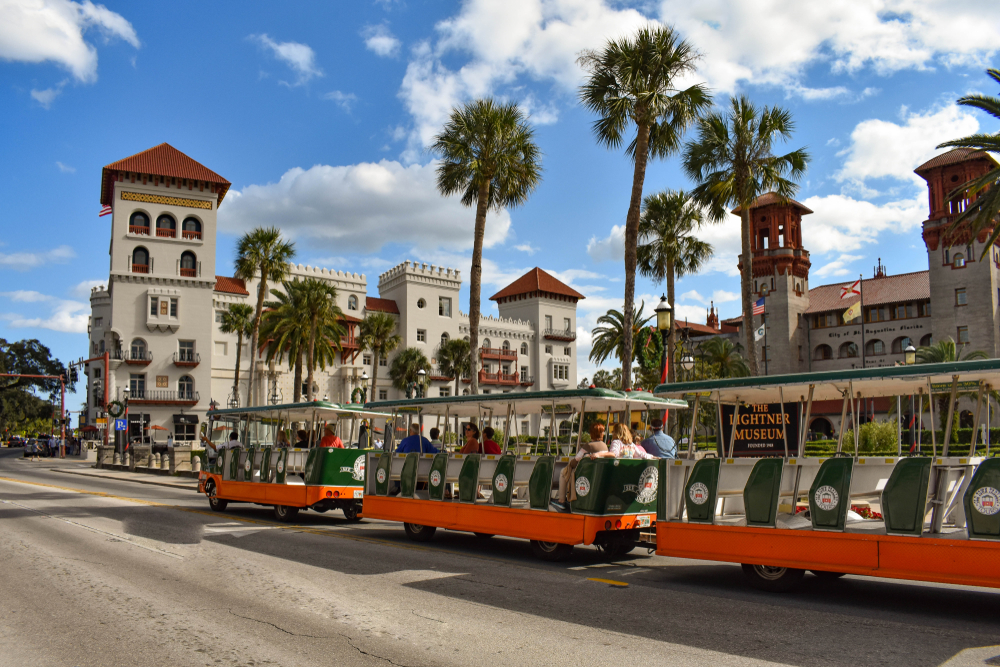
349 318
953 157
877 291
537 280
231 286
773 198
381 305
162 160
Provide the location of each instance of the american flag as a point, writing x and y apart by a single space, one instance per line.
758 308
105 210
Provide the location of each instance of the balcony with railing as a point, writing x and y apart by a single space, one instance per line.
189 273
567 335
182 397
501 378
186 358
527 380
139 230
140 268
166 233
500 354
133 358
191 234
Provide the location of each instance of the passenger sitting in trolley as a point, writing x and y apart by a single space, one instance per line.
472 445
622 445
303 441
330 438
596 445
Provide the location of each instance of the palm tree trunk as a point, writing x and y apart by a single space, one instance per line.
631 240
311 362
297 390
475 281
261 291
746 287
236 379
671 335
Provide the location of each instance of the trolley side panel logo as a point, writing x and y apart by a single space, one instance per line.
501 482
357 470
827 498
986 500
582 486
698 493
436 478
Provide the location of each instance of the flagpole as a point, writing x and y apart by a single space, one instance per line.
861 289
763 321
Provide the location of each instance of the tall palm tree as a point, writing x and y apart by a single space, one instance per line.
323 316
406 367
237 319
668 249
455 360
378 336
723 358
285 331
261 252
633 81
983 193
733 163
610 334
488 154
942 352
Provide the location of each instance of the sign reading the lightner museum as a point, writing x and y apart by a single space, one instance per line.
759 429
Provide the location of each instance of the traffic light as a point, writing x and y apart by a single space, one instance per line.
74 377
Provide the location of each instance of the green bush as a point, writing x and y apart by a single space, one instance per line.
877 437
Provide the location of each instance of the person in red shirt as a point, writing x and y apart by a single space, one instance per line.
489 445
330 439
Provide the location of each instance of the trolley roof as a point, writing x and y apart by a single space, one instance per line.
830 385
597 400
301 411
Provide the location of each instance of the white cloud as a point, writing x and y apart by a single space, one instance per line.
82 289
37 31
22 261
380 40
360 208
345 100
883 149
838 267
46 97
843 224
718 296
299 57
692 295
66 316
526 247
611 247
65 168
26 296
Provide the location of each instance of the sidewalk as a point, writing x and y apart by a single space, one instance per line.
82 470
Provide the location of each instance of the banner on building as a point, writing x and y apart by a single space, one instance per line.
759 429
852 312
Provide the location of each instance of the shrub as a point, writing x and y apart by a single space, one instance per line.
876 438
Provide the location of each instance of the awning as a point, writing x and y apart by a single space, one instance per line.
186 419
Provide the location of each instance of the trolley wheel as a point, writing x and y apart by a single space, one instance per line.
285 514
771 578
617 549
483 536
352 511
419 533
827 576
217 504
551 551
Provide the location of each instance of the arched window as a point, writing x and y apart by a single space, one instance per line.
848 351
352 302
138 223
875 347
524 349
140 260
137 350
189 265
823 352
166 226
926 341
900 344
506 345
959 260
185 388
191 229
486 343
444 338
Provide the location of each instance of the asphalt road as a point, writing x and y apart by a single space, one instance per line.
96 572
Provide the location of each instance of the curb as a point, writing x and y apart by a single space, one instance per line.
186 487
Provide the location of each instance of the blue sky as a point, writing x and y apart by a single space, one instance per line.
320 114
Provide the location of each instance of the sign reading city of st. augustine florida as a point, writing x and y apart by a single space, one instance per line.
759 432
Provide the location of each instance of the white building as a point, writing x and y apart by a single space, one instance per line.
159 316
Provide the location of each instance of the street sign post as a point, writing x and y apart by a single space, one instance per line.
121 425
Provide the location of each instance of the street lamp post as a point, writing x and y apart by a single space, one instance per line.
910 358
420 383
687 363
663 323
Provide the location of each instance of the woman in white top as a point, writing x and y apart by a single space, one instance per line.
622 446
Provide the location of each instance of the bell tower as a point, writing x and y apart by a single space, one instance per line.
963 289
780 275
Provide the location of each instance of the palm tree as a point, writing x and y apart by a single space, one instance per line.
723 358
733 163
285 331
633 82
261 252
406 367
605 380
378 336
237 319
323 317
668 249
983 193
488 154
455 360
943 352
611 332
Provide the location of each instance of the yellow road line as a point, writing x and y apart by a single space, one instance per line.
610 582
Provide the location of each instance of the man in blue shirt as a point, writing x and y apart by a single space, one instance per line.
415 442
660 444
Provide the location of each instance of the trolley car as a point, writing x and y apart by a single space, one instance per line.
290 479
782 514
510 494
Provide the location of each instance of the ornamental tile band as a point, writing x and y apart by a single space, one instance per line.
170 201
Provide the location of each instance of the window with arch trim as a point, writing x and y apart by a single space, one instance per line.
848 351
185 388
140 260
486 343
900 344
166 226
191 229
524 349
926 340
444 338
352 302
137 350
823 352
506 345
189 265
875 348
138 223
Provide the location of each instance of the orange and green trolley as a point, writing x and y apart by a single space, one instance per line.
289 479
511 493
928 510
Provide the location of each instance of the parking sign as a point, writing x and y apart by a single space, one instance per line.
121 425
